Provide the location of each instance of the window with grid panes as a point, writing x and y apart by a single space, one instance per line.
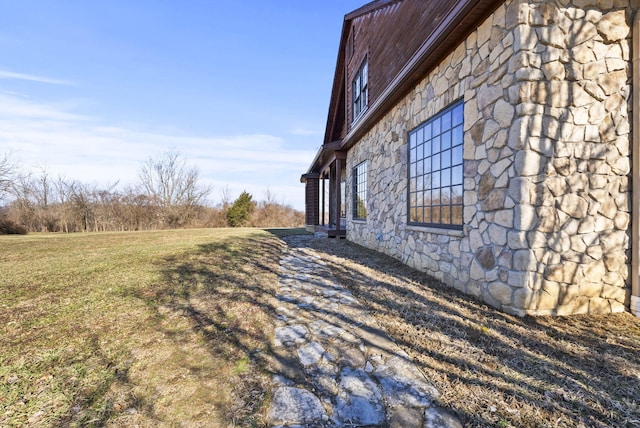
435 170
359 192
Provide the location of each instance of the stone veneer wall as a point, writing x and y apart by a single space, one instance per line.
546 87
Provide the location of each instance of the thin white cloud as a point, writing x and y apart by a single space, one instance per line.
15 106
6 74
74 147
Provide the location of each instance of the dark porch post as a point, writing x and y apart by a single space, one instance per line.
312 198
332 196
324 192
338 193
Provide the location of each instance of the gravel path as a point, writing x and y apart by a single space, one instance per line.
336 367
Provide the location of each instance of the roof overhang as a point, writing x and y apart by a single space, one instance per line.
324 156
463 18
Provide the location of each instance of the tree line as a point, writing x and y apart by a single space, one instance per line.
168 195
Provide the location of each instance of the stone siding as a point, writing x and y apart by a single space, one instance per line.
546 89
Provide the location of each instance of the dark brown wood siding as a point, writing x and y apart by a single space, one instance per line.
339 130
388 37
312 201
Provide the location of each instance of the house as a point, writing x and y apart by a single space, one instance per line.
488 144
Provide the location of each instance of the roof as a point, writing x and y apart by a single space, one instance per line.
462 19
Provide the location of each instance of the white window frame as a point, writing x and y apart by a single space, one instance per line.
360 90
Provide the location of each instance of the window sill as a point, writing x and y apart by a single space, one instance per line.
435 230
359 116
359 220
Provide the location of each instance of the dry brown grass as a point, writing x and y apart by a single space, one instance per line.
495 369
168 328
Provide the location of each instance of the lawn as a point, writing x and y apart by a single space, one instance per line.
160 328
172 328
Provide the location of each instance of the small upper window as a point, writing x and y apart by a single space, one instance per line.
360 90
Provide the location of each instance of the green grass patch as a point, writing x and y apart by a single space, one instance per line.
137 328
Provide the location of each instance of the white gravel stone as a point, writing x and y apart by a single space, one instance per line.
291 406
310 354
360 400
289 335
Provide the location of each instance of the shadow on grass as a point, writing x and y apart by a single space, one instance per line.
576 371
89 349
226 291
285 232
493 369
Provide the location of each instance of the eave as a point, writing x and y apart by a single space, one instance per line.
452 30
339 87
323 157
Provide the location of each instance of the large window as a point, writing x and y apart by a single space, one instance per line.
360 191
435 170
360 90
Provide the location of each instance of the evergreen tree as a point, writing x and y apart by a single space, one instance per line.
239 212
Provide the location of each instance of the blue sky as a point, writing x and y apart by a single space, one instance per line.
90 90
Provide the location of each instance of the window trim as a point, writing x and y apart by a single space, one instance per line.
361 101
423 125
356 191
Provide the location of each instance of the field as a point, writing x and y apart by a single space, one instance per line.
142 328
172 328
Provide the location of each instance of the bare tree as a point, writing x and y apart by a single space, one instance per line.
42 192
225 197
81 206
173 186
169 195
22 209
106 208
272 213
8 171
64 189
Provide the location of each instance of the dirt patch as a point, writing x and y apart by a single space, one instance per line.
495 369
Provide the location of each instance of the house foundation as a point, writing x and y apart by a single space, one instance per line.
547 203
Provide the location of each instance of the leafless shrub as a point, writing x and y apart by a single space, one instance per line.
168 196
8 227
